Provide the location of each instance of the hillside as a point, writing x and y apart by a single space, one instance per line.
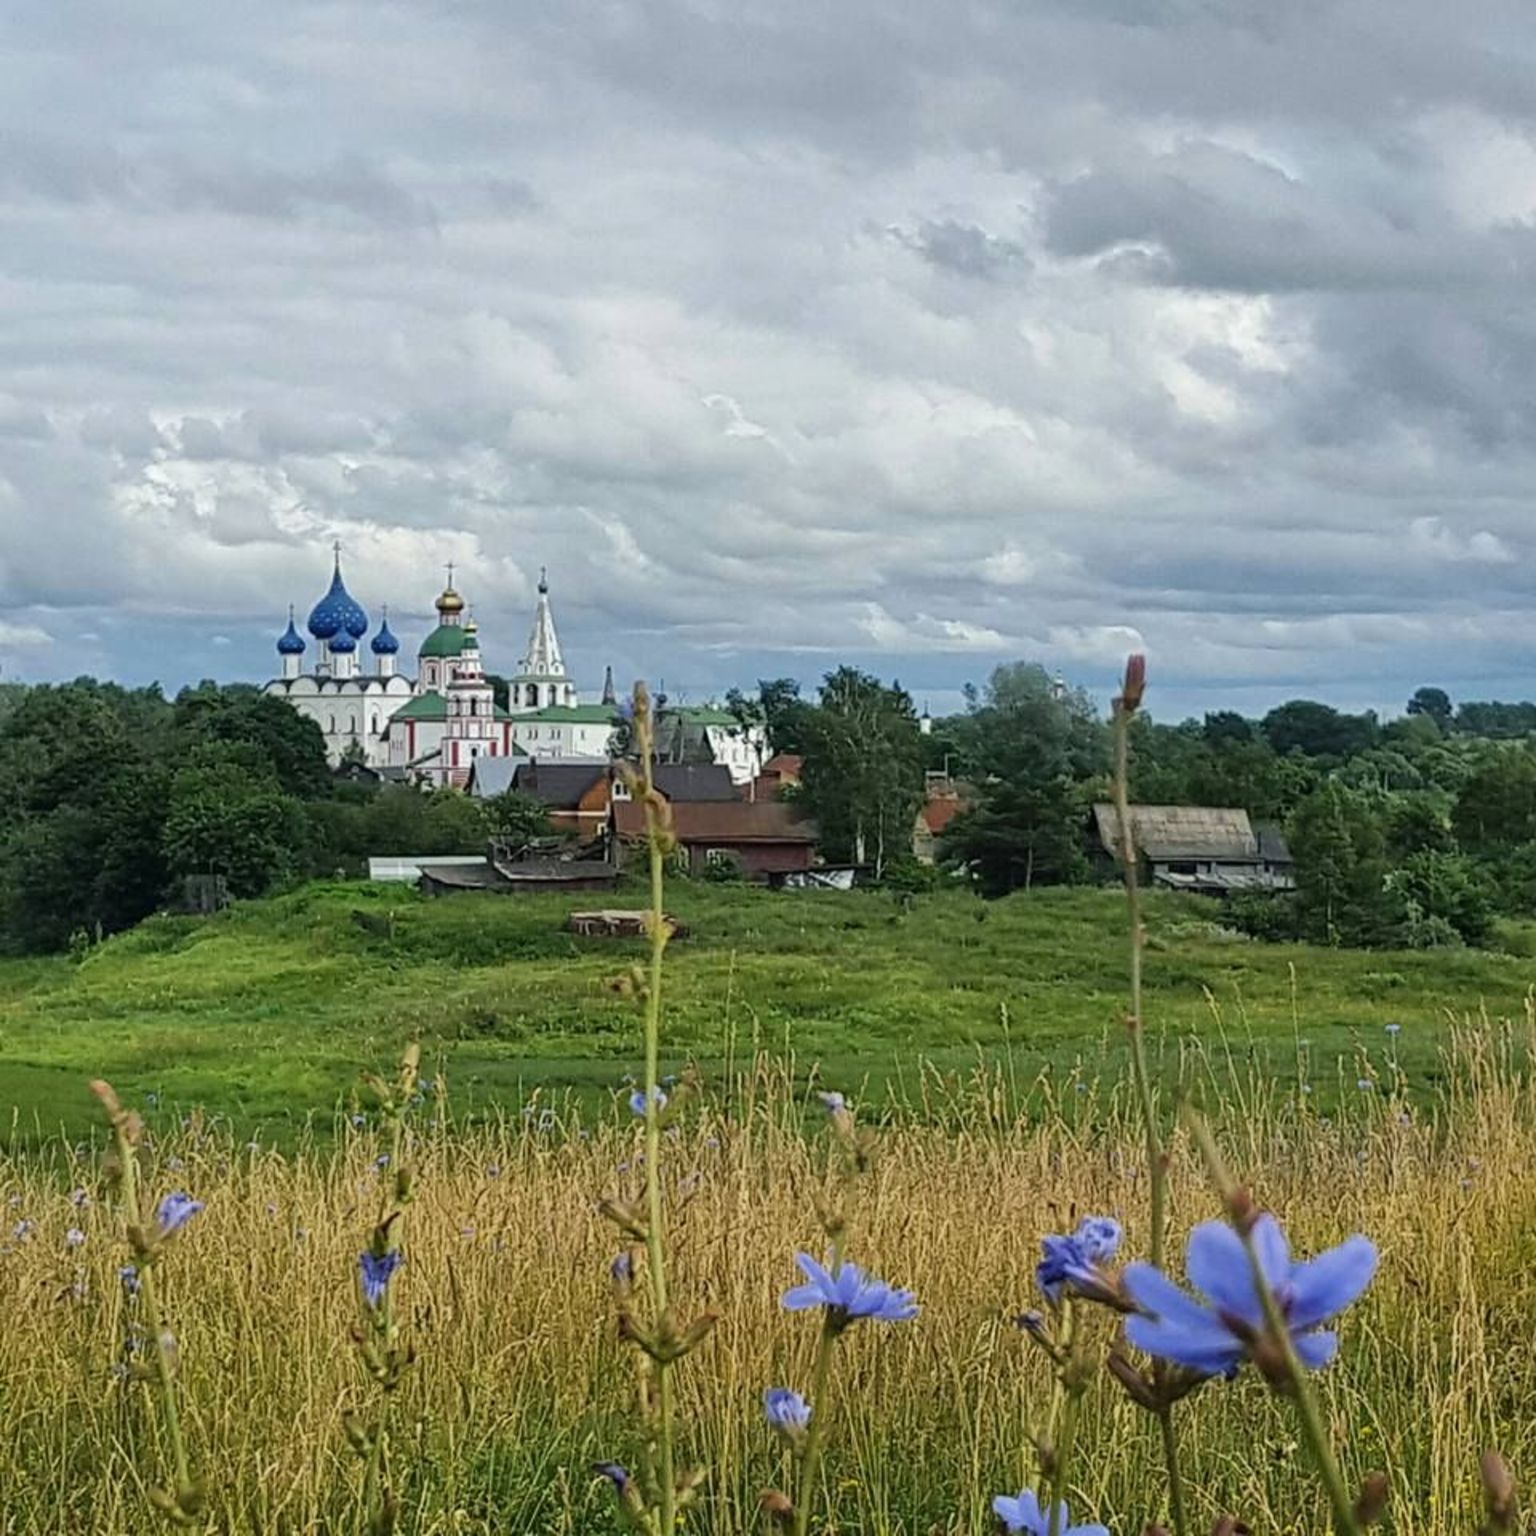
268 1012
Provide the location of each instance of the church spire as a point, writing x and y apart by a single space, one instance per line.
543 658
610 698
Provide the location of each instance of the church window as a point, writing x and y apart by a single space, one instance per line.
333 725
533 695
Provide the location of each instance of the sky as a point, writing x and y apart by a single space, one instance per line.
922 337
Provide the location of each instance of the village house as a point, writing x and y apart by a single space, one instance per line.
761 839
1215 851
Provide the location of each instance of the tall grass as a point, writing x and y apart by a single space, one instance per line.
520 1383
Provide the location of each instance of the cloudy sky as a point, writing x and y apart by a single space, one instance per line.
919 336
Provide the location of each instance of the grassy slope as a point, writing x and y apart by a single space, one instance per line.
269 1011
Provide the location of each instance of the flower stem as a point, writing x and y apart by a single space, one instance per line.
165 1381
810 1458
1278 1334
655 1236
1157 1157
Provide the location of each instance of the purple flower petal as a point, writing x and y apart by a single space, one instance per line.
1327 1284
1211 1349
1217 1265
1315 1350
1274 1253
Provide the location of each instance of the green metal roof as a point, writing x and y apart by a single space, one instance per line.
701 714
425 706
433 706
445 640
575 714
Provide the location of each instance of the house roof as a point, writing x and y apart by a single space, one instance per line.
938 812
558 785
721 822
784 765
700 714
572 714
1181 831
433 706
491 776
694 781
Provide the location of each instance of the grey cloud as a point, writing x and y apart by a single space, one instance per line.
965 249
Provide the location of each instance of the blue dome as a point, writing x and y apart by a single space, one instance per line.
290 642
337 613
342 644
384 643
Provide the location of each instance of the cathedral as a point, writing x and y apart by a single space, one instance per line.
435 726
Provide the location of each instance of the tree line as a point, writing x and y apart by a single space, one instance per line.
110 797
1412 832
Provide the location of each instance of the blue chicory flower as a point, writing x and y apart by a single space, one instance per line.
1025 1514
1215 1338
1394 1029
376 1268
637 1100
74 1238
23 1230
175 1211
832 1102
850 1294
785 1410
129 1275
616 1474
1071 1262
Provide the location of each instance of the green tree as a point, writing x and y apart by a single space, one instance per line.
1318 730
1496 809
1034 756
1434 704
228 815
517 817
863 775
1341 868
289 744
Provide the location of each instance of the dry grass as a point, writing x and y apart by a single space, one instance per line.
520 1383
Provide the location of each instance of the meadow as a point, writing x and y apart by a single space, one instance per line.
520 1383
266 1013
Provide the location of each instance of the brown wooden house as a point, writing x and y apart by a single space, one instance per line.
762 839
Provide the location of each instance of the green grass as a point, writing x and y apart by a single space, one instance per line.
267 1013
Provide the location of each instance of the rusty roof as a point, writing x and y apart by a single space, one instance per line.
711 821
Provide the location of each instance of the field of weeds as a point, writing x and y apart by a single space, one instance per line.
520 1384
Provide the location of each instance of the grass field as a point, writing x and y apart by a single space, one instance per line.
521 1384
267 1013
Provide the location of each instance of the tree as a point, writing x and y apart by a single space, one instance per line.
517 817
289 745
1341 869
1434 704
228 816
863 777
1032 756
1496 809
1318 730
783 712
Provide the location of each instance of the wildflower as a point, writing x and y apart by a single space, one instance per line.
547 1120
493 1171
848 1295
381 1162
175 1211
622 1270
129 1275
1394 1029
23 1230
375 1269
359 1121
79 1199
1365 1085
74 1237
1072 1262
1214 1339
785 1410
1024 1514
617 1475
832 1102
152 1099
174 1163
637 1100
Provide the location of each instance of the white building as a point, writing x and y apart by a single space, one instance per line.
431 728
548 718
708 734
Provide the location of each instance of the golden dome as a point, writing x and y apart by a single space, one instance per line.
450 602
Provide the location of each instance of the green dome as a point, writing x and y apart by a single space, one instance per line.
445 640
